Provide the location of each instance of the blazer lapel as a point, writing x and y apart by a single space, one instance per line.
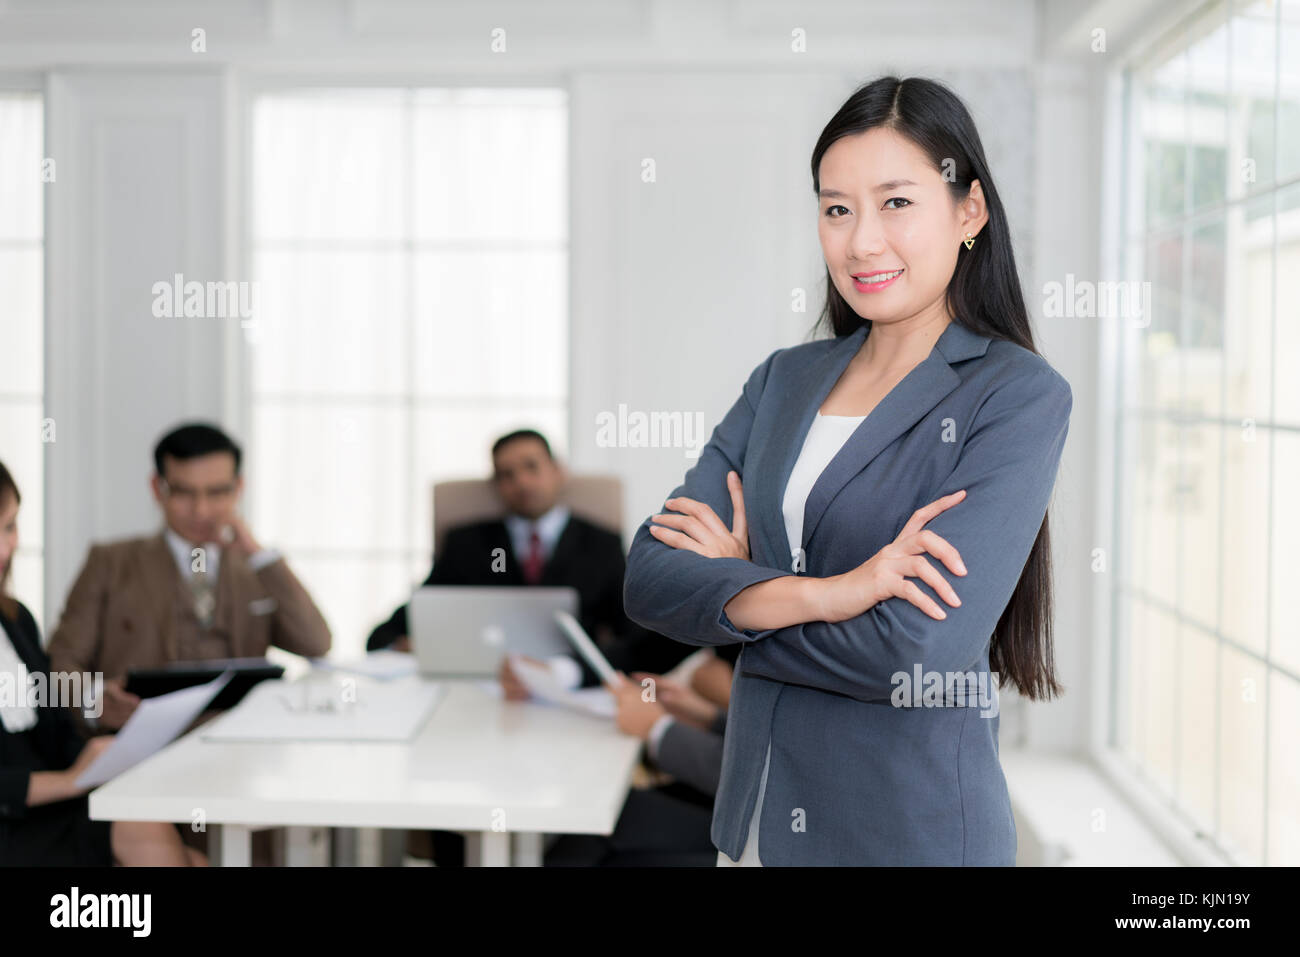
499 537
555 571
905 405
165 588
805 391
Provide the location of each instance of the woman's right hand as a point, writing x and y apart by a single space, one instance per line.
886 574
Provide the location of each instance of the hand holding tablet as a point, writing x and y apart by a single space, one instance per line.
587 648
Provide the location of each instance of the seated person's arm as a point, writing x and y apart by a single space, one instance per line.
391 634
677 747
297 626
690 755
21 789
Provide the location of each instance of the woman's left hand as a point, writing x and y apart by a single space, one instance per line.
700 530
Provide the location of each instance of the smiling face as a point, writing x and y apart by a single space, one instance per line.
885 213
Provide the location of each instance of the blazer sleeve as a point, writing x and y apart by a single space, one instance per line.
74 646
1008 467
298 625
680 593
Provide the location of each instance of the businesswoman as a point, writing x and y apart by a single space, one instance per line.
44 818
869 518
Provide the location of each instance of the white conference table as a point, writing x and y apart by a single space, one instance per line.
481 765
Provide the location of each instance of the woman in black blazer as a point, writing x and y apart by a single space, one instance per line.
44 817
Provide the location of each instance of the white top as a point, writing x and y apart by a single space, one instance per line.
826 436
16 713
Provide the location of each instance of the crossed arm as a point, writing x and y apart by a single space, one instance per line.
1007 467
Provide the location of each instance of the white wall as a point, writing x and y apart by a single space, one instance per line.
139 196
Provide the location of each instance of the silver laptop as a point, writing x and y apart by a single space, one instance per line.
464 631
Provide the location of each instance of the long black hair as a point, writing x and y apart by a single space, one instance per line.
8 487
984 295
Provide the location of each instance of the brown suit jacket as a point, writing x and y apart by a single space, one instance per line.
130 608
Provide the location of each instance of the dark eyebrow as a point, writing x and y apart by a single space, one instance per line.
891 184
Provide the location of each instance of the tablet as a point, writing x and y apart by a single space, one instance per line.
152 682
582 642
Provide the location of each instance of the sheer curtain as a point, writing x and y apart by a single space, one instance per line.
410 249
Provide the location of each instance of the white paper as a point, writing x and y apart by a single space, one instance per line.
329 707
154 724
580 640
597 701
541 684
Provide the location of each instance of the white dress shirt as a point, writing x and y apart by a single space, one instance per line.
183 552
826 436
549 527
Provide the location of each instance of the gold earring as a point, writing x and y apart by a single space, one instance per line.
968 241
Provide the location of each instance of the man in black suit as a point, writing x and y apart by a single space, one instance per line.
539 542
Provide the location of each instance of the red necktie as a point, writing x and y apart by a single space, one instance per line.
533 563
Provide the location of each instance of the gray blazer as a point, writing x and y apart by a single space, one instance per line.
854 777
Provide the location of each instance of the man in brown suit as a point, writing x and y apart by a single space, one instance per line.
200 589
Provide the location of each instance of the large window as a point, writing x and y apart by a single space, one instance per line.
22 332
1207 640
411 252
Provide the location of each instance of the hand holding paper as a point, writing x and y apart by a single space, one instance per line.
154 724
541 684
